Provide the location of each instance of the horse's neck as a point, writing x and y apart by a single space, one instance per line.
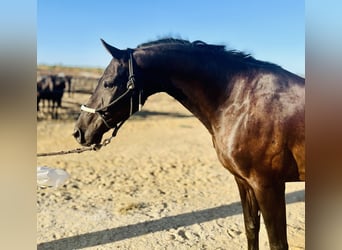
198 95
192 95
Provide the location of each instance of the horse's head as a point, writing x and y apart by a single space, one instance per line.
116 97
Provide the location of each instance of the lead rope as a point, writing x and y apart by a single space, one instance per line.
94 147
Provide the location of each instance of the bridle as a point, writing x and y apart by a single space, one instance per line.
129 92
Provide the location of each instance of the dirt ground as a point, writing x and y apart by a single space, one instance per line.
158 185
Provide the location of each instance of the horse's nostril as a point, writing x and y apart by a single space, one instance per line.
77 134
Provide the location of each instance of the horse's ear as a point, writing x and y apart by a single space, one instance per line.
116 53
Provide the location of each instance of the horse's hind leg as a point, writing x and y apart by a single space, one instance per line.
250 213
271 201
56 113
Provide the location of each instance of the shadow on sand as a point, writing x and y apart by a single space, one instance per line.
135 230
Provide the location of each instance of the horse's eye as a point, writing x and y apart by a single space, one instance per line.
107 85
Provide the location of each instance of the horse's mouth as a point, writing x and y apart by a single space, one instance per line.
97 147
84 140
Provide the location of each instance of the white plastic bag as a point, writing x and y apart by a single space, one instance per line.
51 177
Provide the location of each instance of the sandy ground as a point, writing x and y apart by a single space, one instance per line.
158 185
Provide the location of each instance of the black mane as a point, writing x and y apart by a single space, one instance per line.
217 50
184 43
165 41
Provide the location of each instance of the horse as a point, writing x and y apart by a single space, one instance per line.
254 111
68 79
44 91
51 88
58 90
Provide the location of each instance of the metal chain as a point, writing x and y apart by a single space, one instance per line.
63 152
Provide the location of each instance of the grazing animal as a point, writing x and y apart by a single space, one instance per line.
253 110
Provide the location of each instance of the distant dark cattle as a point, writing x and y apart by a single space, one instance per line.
51 88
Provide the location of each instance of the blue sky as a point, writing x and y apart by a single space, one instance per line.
69 32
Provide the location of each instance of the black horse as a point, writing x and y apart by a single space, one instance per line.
44 90
254 111
51 88
68 79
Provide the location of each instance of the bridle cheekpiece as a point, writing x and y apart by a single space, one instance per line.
129 91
